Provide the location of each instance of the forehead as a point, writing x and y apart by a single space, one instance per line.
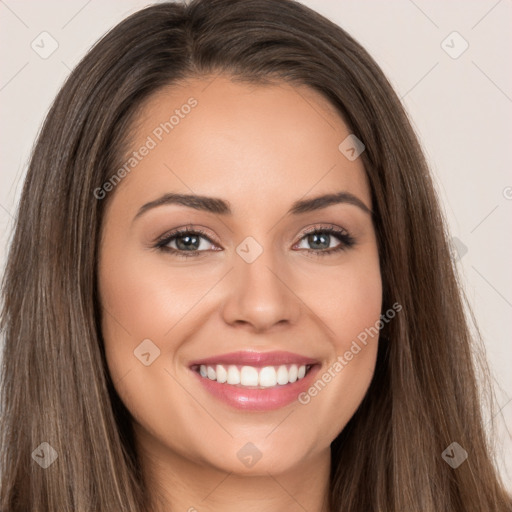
245 142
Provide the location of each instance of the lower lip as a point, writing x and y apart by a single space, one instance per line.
265 399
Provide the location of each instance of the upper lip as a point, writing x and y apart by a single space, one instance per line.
253 358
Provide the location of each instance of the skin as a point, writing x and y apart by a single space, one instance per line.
260 147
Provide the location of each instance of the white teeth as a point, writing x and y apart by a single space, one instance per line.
249 376
233 375
293 373
266 377
222 374
282 375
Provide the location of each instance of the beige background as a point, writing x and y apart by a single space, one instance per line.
461 108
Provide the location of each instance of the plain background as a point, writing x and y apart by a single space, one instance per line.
460 108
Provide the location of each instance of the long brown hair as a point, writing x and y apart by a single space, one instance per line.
55 384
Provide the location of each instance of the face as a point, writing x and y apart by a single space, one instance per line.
234 341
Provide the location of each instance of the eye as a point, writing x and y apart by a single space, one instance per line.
321 239
187 242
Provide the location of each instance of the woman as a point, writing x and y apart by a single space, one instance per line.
176 339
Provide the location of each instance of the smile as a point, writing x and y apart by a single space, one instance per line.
251 376
258 381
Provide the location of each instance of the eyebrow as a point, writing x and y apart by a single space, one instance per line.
222 207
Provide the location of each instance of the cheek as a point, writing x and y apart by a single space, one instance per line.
145 297
347 299
349 305
141 304
134 309
356 306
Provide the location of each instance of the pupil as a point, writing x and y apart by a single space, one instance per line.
188 242
314 239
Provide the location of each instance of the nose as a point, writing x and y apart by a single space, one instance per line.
260 295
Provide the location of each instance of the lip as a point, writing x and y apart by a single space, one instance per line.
251 398
256 359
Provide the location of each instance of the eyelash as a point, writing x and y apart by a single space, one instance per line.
345 239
